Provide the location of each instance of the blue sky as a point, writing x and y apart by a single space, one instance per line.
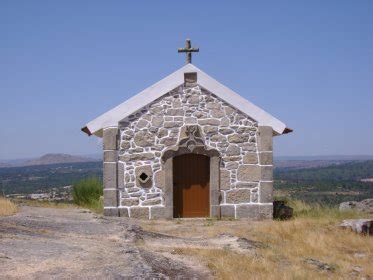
309 63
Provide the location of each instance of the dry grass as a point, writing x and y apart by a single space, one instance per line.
295 240
226 264
46 203
288 244
59 205
7 207
313 233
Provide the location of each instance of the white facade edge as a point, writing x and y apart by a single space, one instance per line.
111 118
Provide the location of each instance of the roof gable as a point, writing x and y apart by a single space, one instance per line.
147 96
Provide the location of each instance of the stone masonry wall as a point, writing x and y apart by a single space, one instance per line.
246 160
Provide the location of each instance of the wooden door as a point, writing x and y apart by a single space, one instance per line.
191 175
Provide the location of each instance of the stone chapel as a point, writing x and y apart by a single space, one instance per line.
187 147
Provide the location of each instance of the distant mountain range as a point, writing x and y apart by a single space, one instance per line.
3 164
49 159
280 161
323 158
302 162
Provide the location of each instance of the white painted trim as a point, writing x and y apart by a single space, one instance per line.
247 182
108 127
247 203
251 164
112 117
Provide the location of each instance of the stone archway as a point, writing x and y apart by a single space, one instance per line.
192 142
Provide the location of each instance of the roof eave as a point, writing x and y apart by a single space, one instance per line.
111 118
287 130
86 130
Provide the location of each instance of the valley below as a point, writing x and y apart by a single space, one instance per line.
323 181
50 237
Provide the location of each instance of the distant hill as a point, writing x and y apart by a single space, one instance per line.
40 178
330 185
291 162
344 172
304 162
3 164
326 158
57 159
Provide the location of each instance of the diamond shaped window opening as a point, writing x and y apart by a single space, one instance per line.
144 177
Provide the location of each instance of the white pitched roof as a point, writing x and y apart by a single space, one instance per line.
135 103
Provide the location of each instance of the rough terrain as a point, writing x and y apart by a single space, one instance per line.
45 243
72 243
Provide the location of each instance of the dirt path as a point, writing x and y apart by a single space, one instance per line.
49 243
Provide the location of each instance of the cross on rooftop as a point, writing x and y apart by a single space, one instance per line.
188 50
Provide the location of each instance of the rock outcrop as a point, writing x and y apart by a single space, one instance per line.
364 226
365 206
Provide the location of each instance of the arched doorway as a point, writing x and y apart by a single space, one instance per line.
191 186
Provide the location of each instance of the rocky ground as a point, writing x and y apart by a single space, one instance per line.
74 243
71 243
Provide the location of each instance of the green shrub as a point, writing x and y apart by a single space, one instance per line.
88 193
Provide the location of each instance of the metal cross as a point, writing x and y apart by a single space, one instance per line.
188 50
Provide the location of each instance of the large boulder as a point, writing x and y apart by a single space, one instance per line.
365 206
347 205
364 226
